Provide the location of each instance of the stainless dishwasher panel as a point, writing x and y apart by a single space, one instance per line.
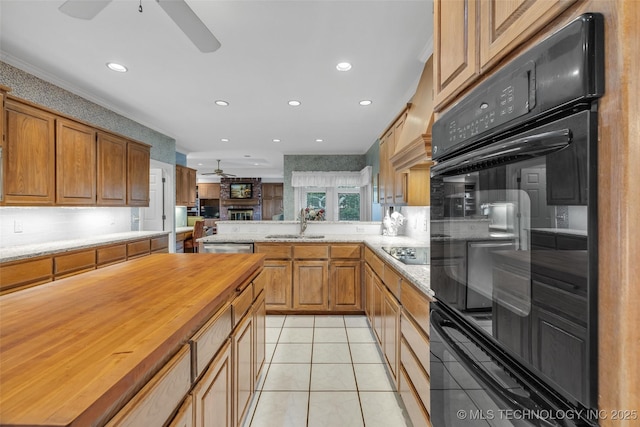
480 271
227 248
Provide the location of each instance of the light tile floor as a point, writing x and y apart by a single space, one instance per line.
324 371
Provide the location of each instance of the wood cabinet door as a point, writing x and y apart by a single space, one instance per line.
112 170
278 286
191 176
378 297
505 24
29 155
346 286
242 369
391 323
212 395
311 285
76 169
399 178
184 416
259 336
138 165
383 190
455 50
209 190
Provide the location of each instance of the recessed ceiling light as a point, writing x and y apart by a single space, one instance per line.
318 140
199 164
276 140
343 66
256 164
224 139
114 66
294 103
222 103
365 102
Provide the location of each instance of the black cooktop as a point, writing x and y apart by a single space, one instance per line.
408 254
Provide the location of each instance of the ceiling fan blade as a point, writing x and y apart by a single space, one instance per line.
83 9
184 17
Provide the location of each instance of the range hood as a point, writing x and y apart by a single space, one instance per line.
414 144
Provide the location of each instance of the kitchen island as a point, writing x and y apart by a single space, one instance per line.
75 351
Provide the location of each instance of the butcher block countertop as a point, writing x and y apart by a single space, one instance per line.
73 351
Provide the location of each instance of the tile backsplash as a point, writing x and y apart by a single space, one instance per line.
29 225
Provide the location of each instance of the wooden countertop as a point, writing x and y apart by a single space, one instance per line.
73 351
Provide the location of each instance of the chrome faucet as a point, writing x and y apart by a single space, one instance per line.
303 221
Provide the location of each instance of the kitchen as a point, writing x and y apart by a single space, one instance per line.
616 201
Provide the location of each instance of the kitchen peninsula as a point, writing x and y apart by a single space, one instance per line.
133 341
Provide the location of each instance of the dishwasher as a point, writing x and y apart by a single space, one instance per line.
226 248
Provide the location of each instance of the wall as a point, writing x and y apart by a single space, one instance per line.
43 224
27 86
372 158
321 163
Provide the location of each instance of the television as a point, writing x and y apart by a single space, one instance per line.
241 191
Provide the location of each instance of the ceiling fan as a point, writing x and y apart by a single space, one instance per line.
219 172
178 10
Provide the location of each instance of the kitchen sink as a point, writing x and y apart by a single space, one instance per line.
294 236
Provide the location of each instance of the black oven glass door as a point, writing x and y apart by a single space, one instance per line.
512 230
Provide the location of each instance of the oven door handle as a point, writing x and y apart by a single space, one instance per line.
524 147
480 373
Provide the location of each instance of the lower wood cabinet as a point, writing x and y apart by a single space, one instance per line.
242 340
310 277
399 317
277 275
184 417
155 403
311 285
212 395
259 336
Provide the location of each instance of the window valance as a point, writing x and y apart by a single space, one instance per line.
331 179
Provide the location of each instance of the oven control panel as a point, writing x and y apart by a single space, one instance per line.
486 111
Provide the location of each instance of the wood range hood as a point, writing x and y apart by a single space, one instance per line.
413 147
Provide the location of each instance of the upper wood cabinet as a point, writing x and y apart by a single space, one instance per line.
112 170
209 190
392 184
455 49
75 163
471 36
50 159
138 158
185 186
28 155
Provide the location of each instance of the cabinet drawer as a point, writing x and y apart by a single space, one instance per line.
311 252
346 251
24 273
139 248
209 339
416 340
273 251
241 304
374 262
417 377
72 263
158 399
412 402
111 254
393 281
416 305
160 244
184 416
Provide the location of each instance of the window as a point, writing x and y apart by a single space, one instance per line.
343 196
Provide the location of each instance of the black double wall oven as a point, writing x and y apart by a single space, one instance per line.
514 239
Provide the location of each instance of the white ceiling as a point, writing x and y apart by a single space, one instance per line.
272 52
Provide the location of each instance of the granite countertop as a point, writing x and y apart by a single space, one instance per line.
418 275
183 229
14 253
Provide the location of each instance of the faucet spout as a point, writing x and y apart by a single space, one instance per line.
303 221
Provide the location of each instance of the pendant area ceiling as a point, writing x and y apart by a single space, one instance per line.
271 52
